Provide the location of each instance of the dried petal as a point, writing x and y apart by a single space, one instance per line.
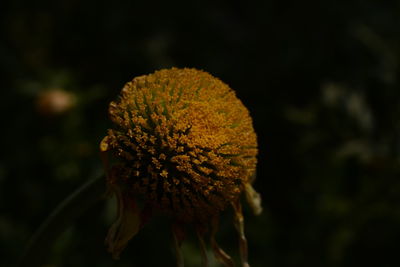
219 254
239 225
125 227
201 230
253 198
178 233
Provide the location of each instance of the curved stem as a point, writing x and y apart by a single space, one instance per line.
64 214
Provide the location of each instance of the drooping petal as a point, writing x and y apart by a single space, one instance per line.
201 230
126 226
253 198
239 225
219 254
178 233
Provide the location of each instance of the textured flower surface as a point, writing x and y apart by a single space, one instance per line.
183 144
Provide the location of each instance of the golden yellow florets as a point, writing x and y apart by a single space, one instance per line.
183 141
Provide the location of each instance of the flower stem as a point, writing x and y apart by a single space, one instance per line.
55 224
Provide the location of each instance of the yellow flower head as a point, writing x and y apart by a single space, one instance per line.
184 143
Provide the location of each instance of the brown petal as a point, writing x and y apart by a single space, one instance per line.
253 198
126 226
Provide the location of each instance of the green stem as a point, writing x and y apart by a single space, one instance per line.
64 215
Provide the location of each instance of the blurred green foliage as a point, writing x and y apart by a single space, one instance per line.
321 80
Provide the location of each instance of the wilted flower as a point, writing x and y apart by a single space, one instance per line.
184 144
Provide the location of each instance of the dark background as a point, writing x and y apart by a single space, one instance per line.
320 78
